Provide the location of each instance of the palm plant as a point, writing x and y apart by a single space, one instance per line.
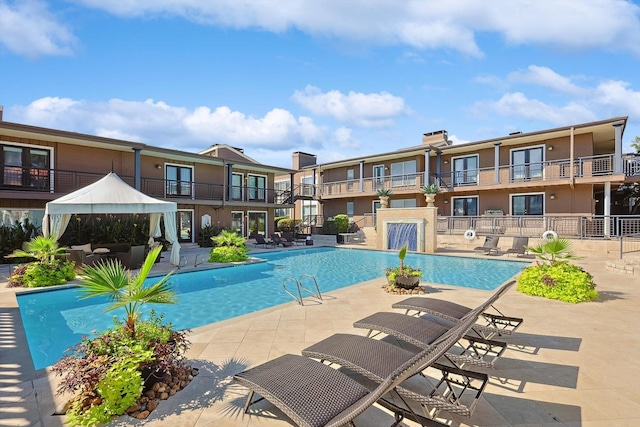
112 280
42 248
553 251
228 238
431 189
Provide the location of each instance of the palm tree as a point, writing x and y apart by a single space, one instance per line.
42 248
636 144
553 250
228 238
114 281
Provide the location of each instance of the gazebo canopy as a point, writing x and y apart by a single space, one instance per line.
112 195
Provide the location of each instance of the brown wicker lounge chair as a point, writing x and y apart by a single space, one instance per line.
260 240
496 324
490 246
278 241
518 247
313 394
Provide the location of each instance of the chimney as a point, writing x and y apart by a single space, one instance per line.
436 137
0 113
301 160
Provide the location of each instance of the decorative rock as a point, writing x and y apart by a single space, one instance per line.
150 394
164 396
155 387
153 404
132 409
142 415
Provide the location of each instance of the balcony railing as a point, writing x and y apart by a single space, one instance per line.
581 227
56 181
556 170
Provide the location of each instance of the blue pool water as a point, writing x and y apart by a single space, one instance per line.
55 320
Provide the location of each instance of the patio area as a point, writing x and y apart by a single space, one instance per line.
567 365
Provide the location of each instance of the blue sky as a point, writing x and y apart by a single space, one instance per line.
335 78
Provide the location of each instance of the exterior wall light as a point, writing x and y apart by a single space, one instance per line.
552 196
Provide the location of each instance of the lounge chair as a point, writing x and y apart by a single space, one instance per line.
291 239
278 241
519 246
375 359
313 394
496 324
260 240
490 246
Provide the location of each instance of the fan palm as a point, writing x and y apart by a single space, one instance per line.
228 238
553 250
43 248
112 280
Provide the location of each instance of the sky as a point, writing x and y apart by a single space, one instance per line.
334 78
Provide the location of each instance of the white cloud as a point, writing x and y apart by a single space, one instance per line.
616 95
27 28
611 24
365 110
344 139
518 105
159 124
546 77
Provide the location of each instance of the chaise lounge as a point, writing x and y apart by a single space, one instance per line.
496 324
489 247
313 394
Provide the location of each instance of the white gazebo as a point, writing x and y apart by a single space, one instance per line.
112 195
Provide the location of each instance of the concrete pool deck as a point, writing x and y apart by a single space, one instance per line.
568 365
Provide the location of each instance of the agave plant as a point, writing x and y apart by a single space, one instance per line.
114 281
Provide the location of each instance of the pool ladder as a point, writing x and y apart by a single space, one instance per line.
301 288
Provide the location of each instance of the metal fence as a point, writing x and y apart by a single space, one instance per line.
580 227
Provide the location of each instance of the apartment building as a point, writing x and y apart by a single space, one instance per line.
220 186
569 175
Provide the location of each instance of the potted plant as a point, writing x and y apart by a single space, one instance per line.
403 276
430 192
383 194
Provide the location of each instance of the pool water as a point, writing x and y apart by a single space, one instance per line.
55 320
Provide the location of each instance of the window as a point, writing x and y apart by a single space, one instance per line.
378 177
527 204
237 222
26 167
402 203
350 178
403 174
307 186
179 180
350 210
185 224
256 187
236 186
257 223
283 191
527 164
465 170
309 211
465 206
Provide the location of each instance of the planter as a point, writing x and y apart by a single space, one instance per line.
407 282
384 201
430 199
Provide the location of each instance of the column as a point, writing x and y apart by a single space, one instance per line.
136 168
361 176
229 181
617 156
607 209
427 170
496 162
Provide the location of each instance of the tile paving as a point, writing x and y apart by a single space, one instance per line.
568 365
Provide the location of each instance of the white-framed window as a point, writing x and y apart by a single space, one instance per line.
465 170
306 183
464 206
527 163
257 187
403 173
527 204
283 192
237 187
350 178
350 210
257 222
185 225
179 180
237 222
378 177
26 166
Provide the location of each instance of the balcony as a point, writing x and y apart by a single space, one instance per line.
587 169
51 183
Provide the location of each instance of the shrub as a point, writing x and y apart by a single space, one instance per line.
105 373
228 254
38 275
560 280
12 237
287 224
329 227
342 223
206 235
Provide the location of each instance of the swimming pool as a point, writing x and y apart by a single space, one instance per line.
55 320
